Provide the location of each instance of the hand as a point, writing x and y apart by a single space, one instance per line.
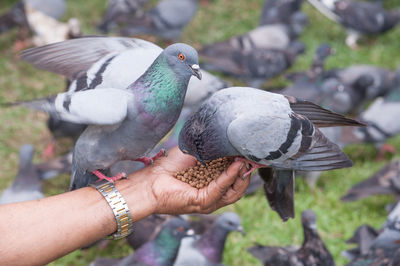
172 196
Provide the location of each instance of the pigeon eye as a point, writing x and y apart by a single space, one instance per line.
181 56
180 229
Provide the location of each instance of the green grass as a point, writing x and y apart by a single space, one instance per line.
216 21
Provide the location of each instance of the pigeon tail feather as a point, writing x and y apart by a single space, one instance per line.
319 116
44 104
324 155
279 190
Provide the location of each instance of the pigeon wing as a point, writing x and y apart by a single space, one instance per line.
97 107
73 57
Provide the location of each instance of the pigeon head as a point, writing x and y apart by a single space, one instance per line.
175 228
183 59
309 220
230 221
197 136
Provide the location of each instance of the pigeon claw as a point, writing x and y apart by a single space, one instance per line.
149 161
254 166
112 179
49 151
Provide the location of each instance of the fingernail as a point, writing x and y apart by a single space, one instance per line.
248 166
241 166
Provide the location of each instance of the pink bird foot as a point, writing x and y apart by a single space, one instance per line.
49 151
254 166
112 179
148 161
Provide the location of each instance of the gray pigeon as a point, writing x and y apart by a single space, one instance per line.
120 8
359 18
381 118
27 185
254 66
268 130
146 109
17 17
207 249
278 11
161 251
312 252
54 167
166 20
385 248
385 181
363 237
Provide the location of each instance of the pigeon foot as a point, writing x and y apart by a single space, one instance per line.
148 161
254 166
49 151
112 179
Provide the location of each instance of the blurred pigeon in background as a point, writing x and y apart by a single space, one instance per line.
312 252
155 252
256 65
385 248
235 122
27 185
16 16
41 17
277 11
146 230
382 119
363 237
317 68
359 18
54 167
166 20
208 248
385 181
120 8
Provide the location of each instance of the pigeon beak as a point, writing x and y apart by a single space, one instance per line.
190 232
196 71
241 230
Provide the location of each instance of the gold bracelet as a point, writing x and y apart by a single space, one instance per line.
119 208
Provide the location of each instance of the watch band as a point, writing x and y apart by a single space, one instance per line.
119 208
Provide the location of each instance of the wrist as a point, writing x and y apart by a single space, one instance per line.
137 193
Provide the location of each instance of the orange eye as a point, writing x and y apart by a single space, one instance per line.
180 228
181 56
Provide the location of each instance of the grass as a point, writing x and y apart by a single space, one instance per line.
218 20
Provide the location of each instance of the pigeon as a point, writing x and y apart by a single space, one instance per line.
317 68
54 167
151 102
385 181
208 248
383 79
358 18
363 237
16 16
277 11
381 118
166 20
312 252
256 65
27 185
117 9
268 130
161 251
146 229
385 248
